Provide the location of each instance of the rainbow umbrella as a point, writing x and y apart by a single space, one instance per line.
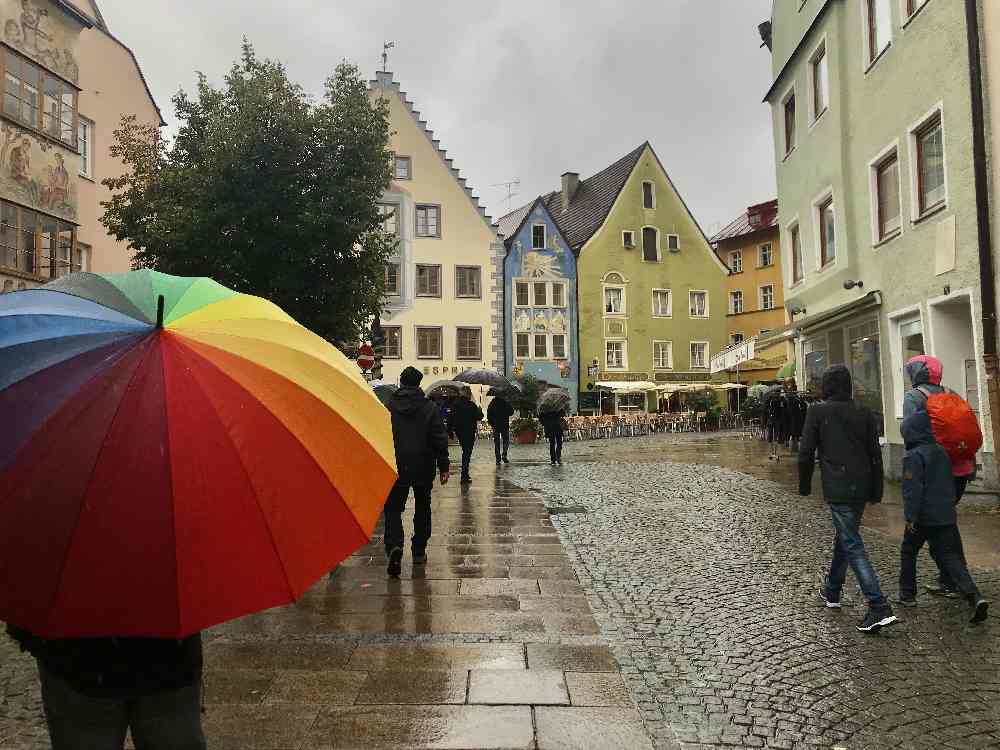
173 455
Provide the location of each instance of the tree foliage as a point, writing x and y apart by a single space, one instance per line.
265 191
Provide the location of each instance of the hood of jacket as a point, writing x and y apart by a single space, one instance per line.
924 370
837 383
916 430
407 400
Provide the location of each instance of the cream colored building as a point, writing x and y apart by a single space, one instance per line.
68 83
442 314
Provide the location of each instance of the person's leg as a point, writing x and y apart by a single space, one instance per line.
421 519
946 542
394 507
498 444
168 721
559 446
908 552
834 582
552 446
79 721
960 485
506 443
847 519
467 442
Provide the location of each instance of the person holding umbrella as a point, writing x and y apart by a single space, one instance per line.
498 415
465 418
551 410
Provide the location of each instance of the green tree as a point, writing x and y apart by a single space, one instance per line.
265 191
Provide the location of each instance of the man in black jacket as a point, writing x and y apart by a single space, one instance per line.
464 420
498 414
421 450
846 436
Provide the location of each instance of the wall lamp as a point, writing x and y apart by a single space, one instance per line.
851 283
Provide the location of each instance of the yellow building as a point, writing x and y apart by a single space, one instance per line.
442 313
68 83
750 247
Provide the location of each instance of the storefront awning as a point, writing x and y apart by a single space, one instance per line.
627 386
869 301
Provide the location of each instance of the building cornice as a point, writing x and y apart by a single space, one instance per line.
798 49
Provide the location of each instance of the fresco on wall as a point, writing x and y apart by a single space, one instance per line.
44 33
35 172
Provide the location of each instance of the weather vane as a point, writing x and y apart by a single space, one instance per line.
386 46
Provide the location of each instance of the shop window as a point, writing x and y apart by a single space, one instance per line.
815 356
864 363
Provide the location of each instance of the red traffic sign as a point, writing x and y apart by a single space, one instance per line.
366 357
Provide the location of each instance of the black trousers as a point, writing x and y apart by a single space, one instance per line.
396 504
945 580
946 549
467 442
501 442
555 445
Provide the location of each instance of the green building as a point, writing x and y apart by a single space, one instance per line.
872 104
650 291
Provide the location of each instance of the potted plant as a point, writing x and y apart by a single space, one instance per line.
525 430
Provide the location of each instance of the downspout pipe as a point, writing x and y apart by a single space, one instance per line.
986 267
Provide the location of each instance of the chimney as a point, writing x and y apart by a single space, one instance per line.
570 183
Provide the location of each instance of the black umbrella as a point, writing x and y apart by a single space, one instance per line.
553 400
491 378
384 391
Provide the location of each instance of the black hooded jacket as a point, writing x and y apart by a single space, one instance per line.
928 486
846 436
499 412
419 434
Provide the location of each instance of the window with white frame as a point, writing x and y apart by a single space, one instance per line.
927 146
522 346
538 237
765 255
827 234
558 346
795 251
699 355
390 221
522 292
614 355
766 294
628 238
663 355
540 348
908 341
393 342
558 294
85 143
540 294
392 283
674 243
663 304
885 178
428 221
698 304
736 261
736 338
788 113
401 168
736 302
614 300
878 27
650 244
912 6
819 76
648 195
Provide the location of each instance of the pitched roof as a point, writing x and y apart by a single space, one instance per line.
510 223
385 81
592 200
767 218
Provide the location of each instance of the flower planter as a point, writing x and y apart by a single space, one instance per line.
525 437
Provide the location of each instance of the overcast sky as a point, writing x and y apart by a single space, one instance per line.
524 89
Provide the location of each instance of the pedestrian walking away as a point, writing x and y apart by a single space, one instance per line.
929 506
552 422
498 414
96 690
421 451
465 418
925 373
845 435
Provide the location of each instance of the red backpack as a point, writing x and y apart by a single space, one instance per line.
954 424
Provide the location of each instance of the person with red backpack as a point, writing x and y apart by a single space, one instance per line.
955 429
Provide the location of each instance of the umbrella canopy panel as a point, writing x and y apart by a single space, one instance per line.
553 400
160 481
485 377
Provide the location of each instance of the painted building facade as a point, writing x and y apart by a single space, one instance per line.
443 312
751 249
68 83
873 134
540 313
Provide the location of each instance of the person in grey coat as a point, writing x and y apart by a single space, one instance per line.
929 505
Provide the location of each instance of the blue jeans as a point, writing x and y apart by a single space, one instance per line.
848 549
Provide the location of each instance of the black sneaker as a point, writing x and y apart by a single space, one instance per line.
876 619
420 559
828 599
939 590
505 460
905 601
395 562
466 480
980 610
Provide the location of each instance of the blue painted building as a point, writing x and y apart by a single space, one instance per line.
540 311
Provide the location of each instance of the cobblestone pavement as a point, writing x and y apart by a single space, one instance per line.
704 581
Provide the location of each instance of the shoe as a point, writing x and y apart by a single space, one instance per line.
876 619
466 480
505 460
395 562
420 559
559 462
979 610
498 463
905 601
830 601
939 590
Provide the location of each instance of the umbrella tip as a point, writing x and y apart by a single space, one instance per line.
159 311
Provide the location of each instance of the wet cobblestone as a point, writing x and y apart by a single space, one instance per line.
703 579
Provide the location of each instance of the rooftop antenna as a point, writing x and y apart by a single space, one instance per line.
512 189
386 46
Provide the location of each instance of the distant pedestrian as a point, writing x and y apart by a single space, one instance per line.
846 436
929 506
498 414
465 419
96 690
421 451
960 437
552 422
